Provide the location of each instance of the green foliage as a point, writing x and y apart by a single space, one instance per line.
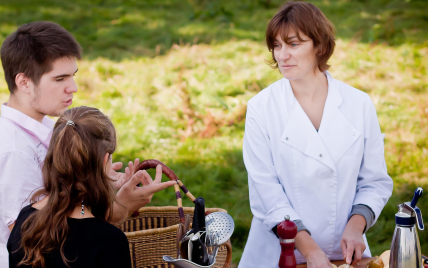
206 10
127 29
175 76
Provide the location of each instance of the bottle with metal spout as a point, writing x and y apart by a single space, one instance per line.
405 247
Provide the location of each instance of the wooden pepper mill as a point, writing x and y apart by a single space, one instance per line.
287 231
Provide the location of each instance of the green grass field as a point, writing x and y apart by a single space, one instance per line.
175 77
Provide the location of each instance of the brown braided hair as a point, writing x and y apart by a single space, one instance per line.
73 171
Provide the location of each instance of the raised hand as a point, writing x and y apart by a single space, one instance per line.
133 197
121 178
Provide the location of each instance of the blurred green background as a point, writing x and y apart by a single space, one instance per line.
175 77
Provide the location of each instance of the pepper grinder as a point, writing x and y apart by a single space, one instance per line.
287 231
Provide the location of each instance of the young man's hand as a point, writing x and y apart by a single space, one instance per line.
121 178
132 197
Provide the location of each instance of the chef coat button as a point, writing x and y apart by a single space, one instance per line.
320 155
332 185
286 138
330 223
353 133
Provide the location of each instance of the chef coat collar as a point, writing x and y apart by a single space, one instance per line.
335 135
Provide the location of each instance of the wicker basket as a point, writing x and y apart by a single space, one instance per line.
152 234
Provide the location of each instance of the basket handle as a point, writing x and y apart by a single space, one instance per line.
152 163
228 261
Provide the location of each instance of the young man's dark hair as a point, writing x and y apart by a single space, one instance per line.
32 49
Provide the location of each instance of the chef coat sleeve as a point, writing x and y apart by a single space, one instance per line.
18 180
366 212
268 200
374 185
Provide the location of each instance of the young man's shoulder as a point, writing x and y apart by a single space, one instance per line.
7 135
13 138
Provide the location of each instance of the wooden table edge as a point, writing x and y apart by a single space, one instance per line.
361 264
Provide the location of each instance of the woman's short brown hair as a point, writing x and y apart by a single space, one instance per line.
32 49
307 19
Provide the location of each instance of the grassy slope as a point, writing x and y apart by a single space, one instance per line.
184 104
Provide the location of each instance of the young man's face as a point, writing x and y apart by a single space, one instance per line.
54 93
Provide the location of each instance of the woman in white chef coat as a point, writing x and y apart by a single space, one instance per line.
313 150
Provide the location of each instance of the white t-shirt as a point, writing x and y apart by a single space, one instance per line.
23 146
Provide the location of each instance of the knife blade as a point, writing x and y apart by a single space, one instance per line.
184 247
179 236
187 224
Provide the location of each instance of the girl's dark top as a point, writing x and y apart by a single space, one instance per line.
90 242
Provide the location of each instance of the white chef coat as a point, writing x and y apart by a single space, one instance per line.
312 176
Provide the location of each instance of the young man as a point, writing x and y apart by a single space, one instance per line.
39 62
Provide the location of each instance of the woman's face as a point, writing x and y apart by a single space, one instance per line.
296 60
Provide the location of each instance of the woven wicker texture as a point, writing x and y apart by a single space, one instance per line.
152 234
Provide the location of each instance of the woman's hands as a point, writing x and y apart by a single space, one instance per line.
315 257
352 239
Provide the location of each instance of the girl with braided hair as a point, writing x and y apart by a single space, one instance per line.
68 226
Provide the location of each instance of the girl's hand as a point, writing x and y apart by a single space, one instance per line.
352 239
121 178
133 197
130 197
